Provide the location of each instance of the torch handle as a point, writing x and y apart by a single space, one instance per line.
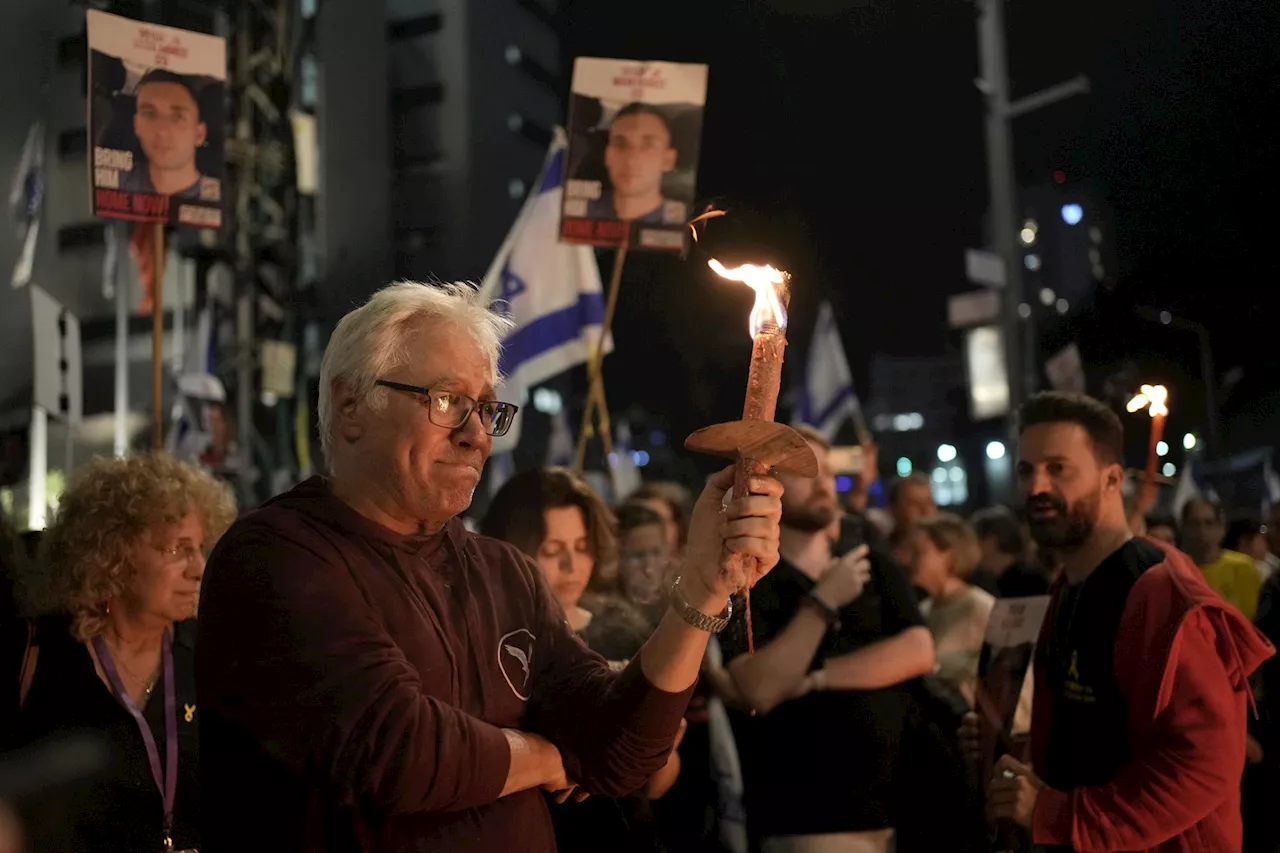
742 474
742 565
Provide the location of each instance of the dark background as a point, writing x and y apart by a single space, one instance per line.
846 141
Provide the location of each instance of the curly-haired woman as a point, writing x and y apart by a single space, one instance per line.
110 649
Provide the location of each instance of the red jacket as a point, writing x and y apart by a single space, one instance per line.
1183 657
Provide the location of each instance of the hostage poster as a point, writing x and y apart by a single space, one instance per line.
1004 692
156 126
634 132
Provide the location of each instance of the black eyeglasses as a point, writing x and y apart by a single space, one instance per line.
450 410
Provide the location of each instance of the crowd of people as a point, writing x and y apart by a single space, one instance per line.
351 667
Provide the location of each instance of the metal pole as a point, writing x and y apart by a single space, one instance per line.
38 465
1003 190
122 366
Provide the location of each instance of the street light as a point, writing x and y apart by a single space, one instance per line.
995 450
946 453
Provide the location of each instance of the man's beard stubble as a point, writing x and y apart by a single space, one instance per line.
1069 529
808 518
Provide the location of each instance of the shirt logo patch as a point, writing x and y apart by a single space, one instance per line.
515 659
1074 688
188 712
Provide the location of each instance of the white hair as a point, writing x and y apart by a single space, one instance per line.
368 342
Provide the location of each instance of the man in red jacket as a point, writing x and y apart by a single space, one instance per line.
373 677
1141 691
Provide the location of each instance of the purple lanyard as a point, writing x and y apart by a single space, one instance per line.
168 781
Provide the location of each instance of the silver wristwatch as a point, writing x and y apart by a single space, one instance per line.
694 616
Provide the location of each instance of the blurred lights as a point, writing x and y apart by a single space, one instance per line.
1059 176
547 401
1063 306
940 475
515 188
1028 233
1072 214
1189 441
1031 262
1095 234
995 450
904 466
1024 310
1162 448
1047 296
1170 469
957 475
640 457
907 422
946 453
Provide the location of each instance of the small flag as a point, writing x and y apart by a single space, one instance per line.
560 447
26 199
828 398
1270 488
622 464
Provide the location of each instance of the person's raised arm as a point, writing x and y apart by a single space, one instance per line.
905 654
748 526
776 671
615 732
290 656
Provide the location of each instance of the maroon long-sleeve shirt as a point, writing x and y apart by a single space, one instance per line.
353 684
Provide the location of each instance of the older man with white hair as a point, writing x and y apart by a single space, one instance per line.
372 677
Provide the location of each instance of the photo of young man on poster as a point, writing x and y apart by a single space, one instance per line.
638 155
170 128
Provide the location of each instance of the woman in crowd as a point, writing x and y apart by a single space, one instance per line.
110 651
673 503
644 559
945 553
557 519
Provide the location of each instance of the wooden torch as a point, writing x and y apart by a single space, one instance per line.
756 443
1155 399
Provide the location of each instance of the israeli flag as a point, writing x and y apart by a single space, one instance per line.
828 398
550 289
26 199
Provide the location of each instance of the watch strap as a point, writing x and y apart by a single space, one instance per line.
694 616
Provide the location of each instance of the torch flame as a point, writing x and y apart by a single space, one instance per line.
1152 398
767 282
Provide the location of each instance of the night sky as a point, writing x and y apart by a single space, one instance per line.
846 140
